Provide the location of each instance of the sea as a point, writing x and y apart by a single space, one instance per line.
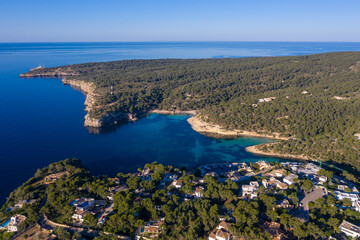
42 120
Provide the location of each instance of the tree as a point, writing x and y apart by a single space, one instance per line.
90 220
133 182
62 234
346 202
307 185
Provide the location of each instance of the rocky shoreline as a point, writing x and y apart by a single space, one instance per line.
89 89
190 112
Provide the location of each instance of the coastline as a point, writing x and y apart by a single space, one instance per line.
207 128
90 97
89 90
189 112
255 151
201 126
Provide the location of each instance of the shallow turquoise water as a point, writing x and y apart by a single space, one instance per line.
42 121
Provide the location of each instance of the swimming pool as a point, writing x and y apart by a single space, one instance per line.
4 224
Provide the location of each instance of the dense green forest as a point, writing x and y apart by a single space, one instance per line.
227 92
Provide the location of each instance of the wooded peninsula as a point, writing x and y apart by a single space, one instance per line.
311 101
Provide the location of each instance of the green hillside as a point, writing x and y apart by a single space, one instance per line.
227 91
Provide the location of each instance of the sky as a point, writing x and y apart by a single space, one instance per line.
179 20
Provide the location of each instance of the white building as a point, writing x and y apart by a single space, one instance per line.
15 222
82 204
322 179
177 183
250 190
79 216
350 229
222 232
352 196
199 192
342 187
272 182
356 205
290 179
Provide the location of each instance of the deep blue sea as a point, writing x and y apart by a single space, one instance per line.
42 121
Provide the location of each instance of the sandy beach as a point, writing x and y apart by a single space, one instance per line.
256 151
204 127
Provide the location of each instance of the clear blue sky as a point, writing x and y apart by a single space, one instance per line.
179 20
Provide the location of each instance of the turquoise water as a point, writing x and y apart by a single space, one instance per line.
42 121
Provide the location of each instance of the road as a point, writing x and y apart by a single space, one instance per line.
103 214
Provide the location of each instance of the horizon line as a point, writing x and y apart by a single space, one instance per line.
185 41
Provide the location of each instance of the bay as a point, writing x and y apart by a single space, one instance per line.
42 121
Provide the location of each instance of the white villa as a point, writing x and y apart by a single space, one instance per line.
350 229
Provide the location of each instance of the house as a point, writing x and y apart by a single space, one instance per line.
82 204
170 177
116 180
356 205
276 173
350 229
283 204
290 179
322 179
273 228
224 225
177 183
266 99
341 195
222 232
199 192
263 165
281 186
21 203
272 182
15 222
354 189
304 92
250 190
254 184
153 227
342 187
79 215
309 169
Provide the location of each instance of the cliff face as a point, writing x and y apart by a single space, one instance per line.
89 90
